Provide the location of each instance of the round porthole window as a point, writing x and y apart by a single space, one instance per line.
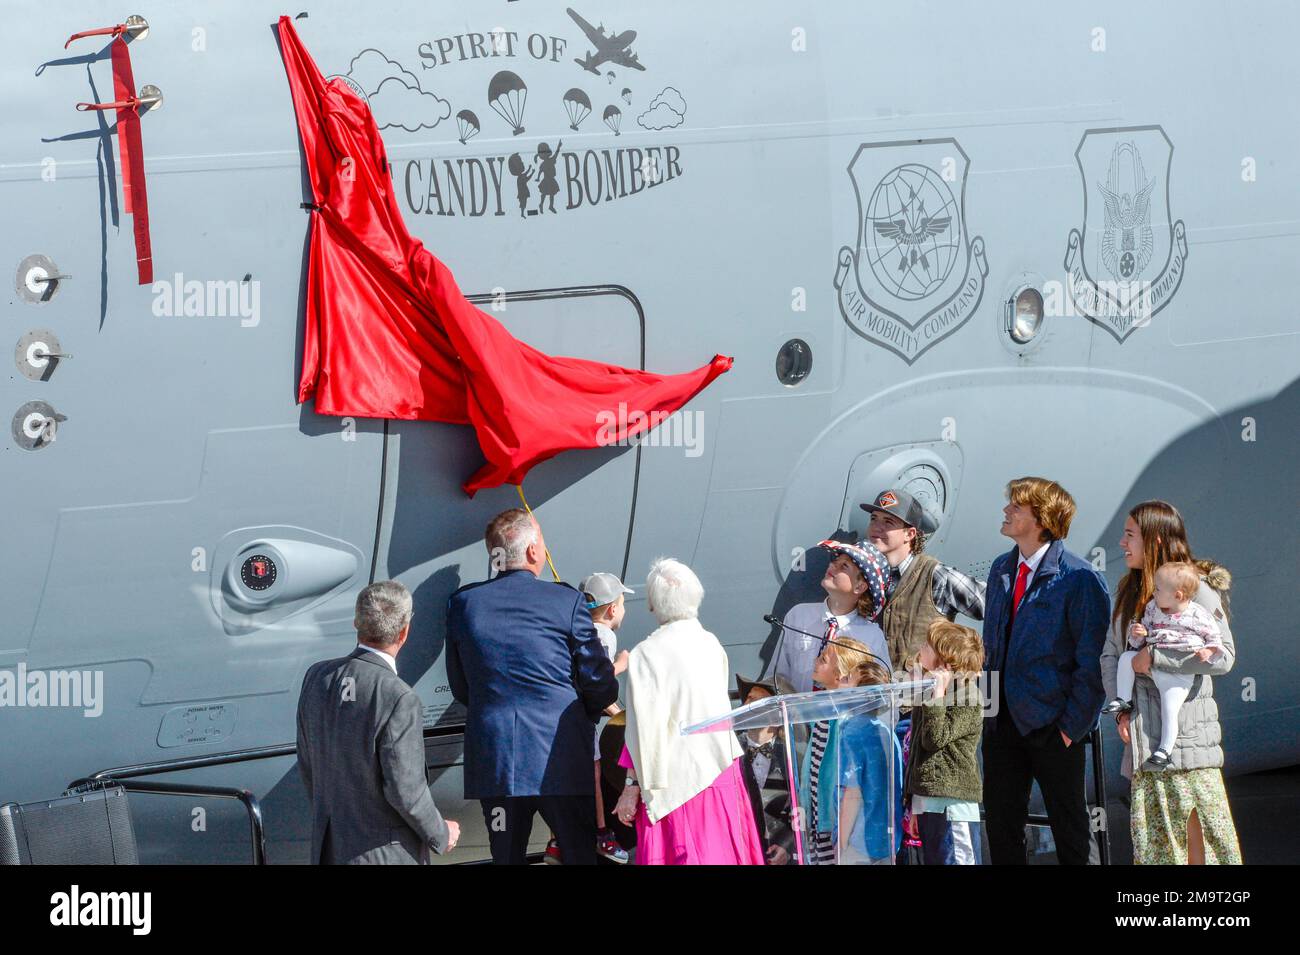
793 362
1026 315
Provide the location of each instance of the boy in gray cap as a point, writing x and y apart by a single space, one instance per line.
604 593
604 596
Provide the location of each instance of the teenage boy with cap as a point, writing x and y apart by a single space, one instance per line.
924 591
856 585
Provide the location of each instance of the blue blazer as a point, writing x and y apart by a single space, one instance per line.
524 659
1051 667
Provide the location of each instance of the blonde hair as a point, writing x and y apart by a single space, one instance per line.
598 612
1052 505
960 648
853 659
1182 574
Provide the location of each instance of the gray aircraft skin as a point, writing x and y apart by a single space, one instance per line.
876 182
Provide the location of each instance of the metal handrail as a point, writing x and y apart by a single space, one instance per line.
195 762
257 830
237 756
128 777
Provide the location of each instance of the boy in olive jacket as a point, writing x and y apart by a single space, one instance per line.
943 777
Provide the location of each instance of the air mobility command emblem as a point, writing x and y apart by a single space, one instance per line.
1126 262
917 275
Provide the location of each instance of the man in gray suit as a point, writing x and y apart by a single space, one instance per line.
361 747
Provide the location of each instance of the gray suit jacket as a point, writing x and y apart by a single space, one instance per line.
361 755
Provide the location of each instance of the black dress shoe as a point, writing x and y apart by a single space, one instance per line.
1159 759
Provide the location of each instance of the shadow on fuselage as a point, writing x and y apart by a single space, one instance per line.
1233 482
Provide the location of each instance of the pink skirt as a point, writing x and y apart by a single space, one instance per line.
713 827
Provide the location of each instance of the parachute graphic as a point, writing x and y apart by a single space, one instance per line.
627 96
613 118
506 95
467 125
578 106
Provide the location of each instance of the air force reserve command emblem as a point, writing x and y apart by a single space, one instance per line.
917 275
1127 261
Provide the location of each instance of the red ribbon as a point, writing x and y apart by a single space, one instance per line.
102 31
135 200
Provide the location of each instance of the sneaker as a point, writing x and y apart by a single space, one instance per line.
552 854
607 847
1159 759
1117 706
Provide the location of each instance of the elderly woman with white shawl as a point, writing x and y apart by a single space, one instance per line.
686 793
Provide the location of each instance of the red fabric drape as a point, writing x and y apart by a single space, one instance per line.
135 200
389 334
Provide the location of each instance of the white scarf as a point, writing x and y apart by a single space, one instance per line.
677 676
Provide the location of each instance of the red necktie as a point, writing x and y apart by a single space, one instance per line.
1021 578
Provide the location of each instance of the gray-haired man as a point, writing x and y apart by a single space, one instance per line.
361 747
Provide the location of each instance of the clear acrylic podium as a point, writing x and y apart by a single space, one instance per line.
847 806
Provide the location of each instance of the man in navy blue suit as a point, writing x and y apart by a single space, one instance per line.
1045 618
524 659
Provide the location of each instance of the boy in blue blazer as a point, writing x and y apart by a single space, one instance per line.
1045 621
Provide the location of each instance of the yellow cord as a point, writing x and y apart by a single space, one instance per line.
520 488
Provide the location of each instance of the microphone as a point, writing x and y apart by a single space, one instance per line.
770 618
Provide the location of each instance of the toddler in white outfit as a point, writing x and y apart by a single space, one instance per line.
1170 621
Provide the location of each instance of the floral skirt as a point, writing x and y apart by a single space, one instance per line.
1163 803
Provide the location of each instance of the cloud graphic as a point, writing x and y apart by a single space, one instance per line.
395 104
667 111
394 93
370 68
676 102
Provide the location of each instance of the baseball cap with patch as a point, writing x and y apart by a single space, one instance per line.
906 508
601 589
